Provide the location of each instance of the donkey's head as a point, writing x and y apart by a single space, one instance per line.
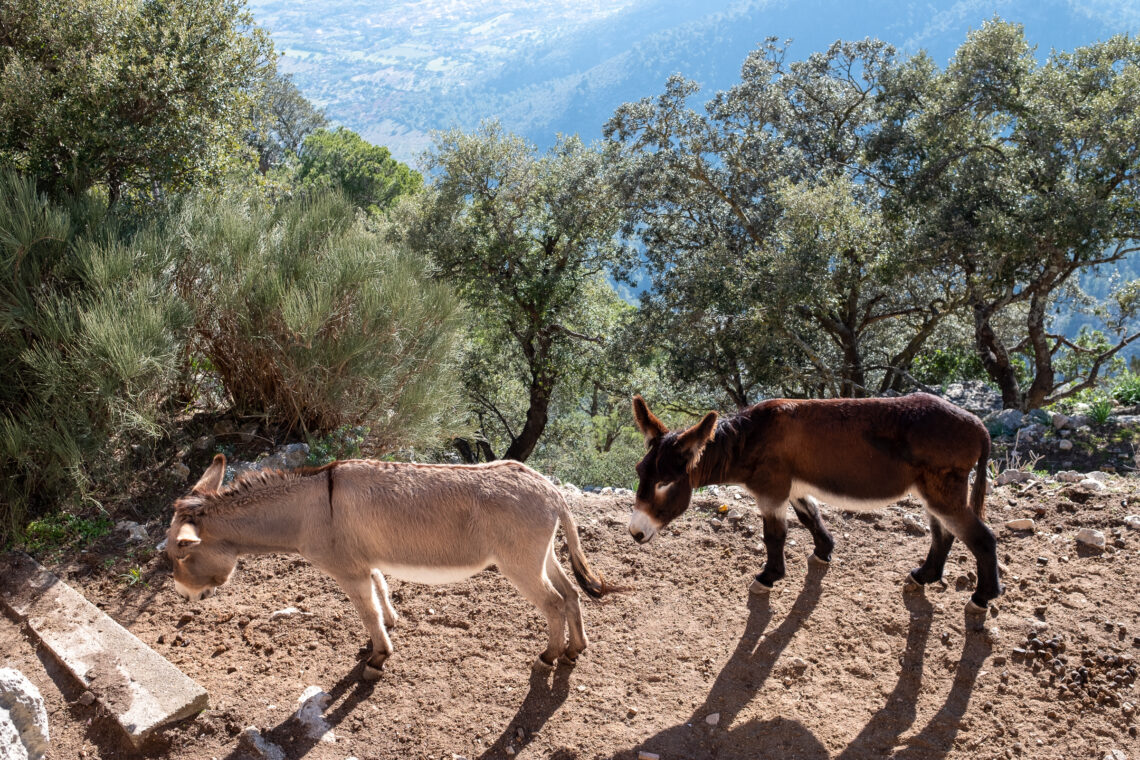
200 564
664 489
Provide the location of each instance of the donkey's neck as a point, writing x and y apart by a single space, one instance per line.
720 460
272 520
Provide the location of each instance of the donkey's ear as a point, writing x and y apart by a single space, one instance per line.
693 440
647 423
211 479
188 535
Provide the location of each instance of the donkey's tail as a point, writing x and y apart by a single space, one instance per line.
592 583
978 495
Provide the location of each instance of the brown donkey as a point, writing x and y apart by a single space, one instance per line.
856 454
358 520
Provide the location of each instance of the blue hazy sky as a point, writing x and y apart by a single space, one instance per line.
396 70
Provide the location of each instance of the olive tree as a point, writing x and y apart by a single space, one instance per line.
527 238
1021 175
135 98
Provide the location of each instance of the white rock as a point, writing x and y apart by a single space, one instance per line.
734 515
1011 476
310 714
914 523
11 748
712 719
1060 422
1065 444
1091 537
1023 523
161 546
24 706
1132 521
288 612
1092 485
1116 754
1098 476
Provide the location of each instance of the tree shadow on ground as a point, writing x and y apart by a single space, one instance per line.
752 663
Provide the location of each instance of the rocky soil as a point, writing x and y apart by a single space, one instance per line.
839 662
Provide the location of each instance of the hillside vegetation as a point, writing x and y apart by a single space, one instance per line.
193 260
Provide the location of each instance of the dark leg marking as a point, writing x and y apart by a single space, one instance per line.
980 540
808 514
940 542
775 532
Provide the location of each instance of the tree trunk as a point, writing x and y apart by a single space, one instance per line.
522 446
995 358
1044 377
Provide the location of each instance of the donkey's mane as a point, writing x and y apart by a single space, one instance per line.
246 484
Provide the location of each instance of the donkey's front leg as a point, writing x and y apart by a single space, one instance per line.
775 532
362 592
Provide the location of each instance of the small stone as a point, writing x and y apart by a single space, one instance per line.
510 751
712 719
914 524
1023 523
1092 485
86 699
734 515
1115 754
1065 444
1091 537
179 472
643 755
1132 521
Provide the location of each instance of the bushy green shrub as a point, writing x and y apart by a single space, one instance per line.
90 337
310 319
1126 389
948 365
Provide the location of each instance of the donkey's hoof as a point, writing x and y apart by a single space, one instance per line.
973 608
815 559
540 663
370 673
911 583
759 588
567 659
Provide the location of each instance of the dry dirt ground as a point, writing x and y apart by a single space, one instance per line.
839 662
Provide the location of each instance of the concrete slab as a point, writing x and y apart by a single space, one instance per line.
136 684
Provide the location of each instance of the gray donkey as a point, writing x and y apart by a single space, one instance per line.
358 520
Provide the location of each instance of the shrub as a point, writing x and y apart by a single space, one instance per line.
310 319
89 343
1126 389
1100 409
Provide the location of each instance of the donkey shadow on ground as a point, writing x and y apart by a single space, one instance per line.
546 695
346 695
752 663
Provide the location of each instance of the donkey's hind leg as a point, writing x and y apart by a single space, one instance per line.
940 542
529 576
946 500
807 510
390 614
362 592
573 609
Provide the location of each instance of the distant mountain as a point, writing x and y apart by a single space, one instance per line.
395 71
